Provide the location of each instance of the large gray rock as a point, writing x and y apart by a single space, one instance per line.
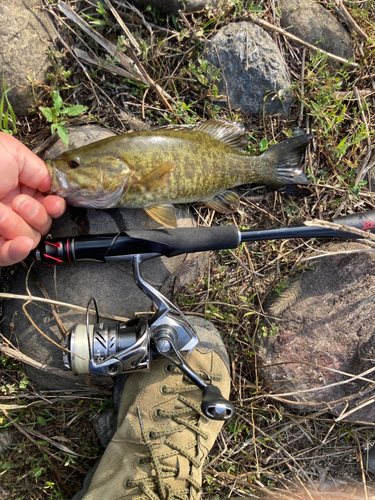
326 324
314 24
111 284
173 6
253 67
25 34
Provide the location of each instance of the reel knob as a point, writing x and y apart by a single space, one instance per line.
214 406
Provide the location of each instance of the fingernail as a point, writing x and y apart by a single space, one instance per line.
27 207
31 245
58 212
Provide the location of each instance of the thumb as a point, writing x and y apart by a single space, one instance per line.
32 171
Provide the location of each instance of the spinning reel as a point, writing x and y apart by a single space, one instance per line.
111 349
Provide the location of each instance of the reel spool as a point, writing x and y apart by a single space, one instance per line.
91 346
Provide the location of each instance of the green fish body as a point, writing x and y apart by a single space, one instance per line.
170 165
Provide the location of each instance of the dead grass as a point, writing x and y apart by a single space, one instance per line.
268 449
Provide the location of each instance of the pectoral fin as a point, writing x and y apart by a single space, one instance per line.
155 179
227 201
164 214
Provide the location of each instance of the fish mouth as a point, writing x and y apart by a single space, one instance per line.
59 185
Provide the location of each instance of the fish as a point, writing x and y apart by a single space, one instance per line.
168 165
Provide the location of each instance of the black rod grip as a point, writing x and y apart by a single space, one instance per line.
172 242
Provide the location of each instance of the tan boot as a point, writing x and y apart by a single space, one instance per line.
163 439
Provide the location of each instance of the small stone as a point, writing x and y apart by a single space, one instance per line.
104 425
253 67
7 437
314 24
25 34
173 6
369 460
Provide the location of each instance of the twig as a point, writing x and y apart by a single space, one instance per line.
365 167
367 235
132 40
328 254
189 26
45 335
362 468
225 83
239 261
353 410
95 61
345 13
341 190
59 446
151 82
302 86
327 368
8 351
54 308
270 26
58 303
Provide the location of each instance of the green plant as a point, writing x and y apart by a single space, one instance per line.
105 21
7 115
56 114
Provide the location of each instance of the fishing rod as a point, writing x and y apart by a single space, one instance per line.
172 242
114 348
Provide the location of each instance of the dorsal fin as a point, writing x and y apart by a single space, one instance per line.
231 133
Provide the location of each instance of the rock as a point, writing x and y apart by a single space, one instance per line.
314 24
369 460
25 33
173 6
79 136
104 425
111 284
326 324
253 67
7 437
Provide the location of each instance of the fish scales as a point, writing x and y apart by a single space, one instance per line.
154 169
201 167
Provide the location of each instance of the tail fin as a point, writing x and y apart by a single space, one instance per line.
285 158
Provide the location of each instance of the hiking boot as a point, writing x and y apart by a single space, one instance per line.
163 438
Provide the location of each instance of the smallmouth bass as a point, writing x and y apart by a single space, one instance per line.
171 165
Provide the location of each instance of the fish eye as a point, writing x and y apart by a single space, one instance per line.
73 163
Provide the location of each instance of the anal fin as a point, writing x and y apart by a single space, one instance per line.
164 214
227 201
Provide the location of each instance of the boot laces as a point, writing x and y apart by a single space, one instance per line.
155 487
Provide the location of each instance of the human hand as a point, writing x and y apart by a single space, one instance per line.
25 213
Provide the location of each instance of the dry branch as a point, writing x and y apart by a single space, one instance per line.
366 235
349 19
58 303
270 26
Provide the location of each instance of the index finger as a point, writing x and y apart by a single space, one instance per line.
28 168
